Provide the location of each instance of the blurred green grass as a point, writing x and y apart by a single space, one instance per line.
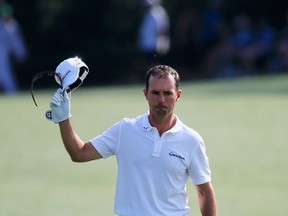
243 122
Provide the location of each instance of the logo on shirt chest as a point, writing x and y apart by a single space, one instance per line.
172 154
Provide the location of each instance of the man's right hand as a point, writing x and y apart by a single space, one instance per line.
60 107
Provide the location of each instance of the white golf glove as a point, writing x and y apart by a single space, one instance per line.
60 106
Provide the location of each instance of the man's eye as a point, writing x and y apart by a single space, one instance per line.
168 93
155 92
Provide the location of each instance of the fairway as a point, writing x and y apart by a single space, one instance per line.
244 123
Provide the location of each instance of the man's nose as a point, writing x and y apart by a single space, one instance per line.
161 98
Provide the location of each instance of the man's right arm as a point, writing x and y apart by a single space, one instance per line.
78 150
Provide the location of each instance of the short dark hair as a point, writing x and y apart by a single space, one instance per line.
160 71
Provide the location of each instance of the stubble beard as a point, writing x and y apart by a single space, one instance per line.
160 113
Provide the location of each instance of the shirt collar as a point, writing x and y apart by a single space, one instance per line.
147 126
145 122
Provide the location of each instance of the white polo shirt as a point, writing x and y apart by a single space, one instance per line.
153 170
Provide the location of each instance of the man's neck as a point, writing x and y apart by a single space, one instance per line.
162 124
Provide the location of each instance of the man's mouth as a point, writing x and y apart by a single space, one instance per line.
161 107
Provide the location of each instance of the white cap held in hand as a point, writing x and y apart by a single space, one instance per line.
70 73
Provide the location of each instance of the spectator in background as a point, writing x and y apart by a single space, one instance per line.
212 26
198 30
188 39
219 61
243 34
12 46
279 61
242 50
253 44
153 38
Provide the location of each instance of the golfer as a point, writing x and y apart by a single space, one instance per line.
156 152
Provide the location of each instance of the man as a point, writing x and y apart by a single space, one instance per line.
12 46
153 37
154 29
156 153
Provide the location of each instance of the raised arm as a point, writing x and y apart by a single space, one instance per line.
207 200
77 149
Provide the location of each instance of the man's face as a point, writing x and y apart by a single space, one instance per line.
162 96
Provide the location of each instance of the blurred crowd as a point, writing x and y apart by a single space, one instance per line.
12 48
205 44
210 46
199 41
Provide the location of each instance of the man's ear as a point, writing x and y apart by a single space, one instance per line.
179 93
145 92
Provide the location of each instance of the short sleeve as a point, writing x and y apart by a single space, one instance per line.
199 169
107 143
